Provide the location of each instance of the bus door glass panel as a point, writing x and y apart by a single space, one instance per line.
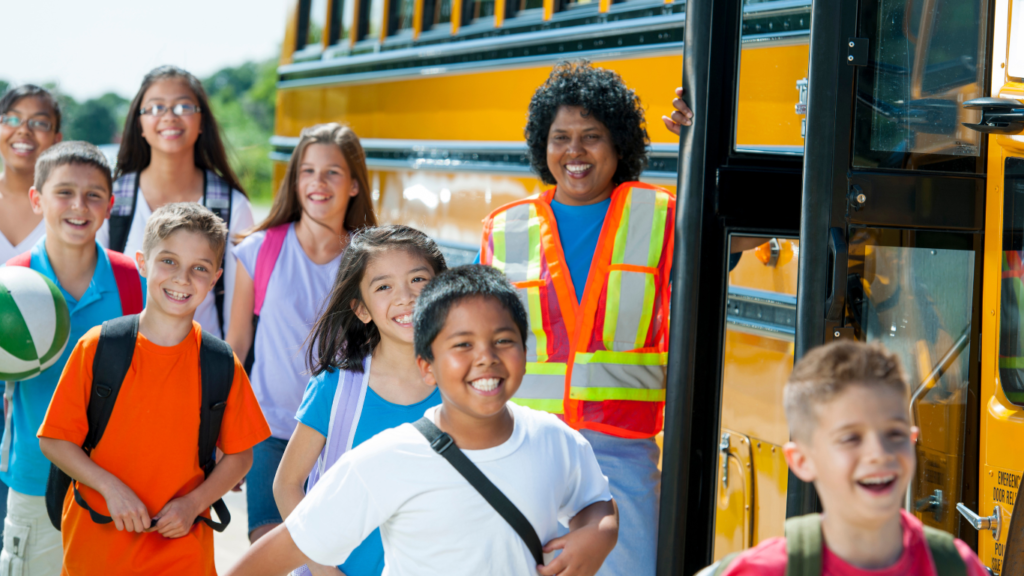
925 59
771 103
913 291
758 357
1011 310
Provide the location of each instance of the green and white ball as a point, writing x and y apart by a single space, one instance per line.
34 323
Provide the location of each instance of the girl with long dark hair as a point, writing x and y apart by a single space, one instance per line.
171 151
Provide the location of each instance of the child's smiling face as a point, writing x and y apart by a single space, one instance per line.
74 202
479 358
180 270
391 283
860 455
170 133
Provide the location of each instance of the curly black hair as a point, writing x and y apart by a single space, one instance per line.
601 93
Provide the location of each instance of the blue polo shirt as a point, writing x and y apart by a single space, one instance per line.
28 469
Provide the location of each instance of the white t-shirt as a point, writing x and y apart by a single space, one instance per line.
241 220
8 250
432 521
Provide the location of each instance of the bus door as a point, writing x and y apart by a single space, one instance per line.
1000 540
893 218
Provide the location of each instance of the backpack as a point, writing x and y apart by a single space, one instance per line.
126 276
266 259
216 196
110 365
803 550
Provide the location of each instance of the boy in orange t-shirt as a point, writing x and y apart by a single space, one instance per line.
145 470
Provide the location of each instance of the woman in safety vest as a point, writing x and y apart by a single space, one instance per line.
591 258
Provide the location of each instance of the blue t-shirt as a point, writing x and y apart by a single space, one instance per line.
579 229
377 416
28 469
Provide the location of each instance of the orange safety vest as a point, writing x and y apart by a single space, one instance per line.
600 363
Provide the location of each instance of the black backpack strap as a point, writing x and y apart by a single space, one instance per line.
443 444
803 545
942 546
126 196
217 196
217 368
110 365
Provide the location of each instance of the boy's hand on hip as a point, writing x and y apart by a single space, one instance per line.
176 518
583 552
128 512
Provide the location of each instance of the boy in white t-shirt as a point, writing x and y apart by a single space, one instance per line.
470 329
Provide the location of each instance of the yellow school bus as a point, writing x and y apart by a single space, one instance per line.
438 90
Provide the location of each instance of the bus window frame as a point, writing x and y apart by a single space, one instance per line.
303 49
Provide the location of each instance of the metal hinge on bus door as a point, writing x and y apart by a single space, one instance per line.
801 105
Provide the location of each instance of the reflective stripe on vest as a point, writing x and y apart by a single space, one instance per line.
631 288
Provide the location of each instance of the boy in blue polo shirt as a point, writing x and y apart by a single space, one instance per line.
72 191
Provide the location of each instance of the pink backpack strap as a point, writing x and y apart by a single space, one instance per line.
24 260
129 286
266 259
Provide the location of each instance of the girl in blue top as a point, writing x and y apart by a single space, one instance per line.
365 378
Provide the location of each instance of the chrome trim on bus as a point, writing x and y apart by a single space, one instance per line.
779 150
762 313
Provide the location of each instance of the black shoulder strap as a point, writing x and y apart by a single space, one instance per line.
942 546
224 213
121 220
217 369
443 444
110 365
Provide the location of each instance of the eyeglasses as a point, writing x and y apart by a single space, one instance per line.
178 110
34 125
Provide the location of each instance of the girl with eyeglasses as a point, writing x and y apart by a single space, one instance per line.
29 124
171 151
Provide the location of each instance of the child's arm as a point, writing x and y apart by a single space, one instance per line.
299 458
592 535
177 517
240 330
128 512
273 554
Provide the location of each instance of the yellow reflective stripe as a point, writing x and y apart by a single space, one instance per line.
650 290
547 368
627 358
533 294
498 238
552 406
601 394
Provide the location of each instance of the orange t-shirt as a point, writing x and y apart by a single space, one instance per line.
151 443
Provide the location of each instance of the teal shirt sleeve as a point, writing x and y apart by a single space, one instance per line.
315 409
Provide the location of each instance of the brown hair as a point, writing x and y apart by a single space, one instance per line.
341 339
190 217
208 154
19 93
826 371
286 207
71 152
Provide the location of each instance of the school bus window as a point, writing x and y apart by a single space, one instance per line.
527 4
371 19
1011 307
400 16
475 9
312 22
436 12
570 4
1015 56
342 15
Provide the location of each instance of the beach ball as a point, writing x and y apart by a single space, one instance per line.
34 323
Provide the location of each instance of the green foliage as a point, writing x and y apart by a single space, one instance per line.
242 98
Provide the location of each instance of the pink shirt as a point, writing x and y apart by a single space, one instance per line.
769 558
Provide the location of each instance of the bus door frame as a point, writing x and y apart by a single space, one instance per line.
720 192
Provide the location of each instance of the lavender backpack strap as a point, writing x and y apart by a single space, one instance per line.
345 412
266 259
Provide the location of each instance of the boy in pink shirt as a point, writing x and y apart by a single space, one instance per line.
847 405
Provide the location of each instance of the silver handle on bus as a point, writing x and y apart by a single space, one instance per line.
993 523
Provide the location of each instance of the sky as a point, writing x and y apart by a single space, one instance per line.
89 48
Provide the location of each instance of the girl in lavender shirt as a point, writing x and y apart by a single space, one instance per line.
324 197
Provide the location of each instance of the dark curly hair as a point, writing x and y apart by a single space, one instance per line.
601 93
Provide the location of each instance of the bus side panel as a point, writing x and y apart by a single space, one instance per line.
765 114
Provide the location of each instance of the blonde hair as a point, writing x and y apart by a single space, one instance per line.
286 207
190 217
825 372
